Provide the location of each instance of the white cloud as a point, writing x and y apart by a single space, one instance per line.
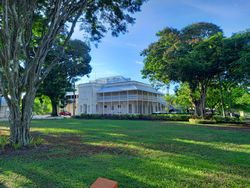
139 62
131 44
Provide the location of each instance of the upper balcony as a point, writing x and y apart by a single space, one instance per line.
129 97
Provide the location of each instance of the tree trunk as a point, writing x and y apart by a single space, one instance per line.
196 104
199 104
54 107
221 98
20 117
19 132
203 100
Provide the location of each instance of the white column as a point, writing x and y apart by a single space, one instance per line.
102 103
148 103
111 103
158 109
142 111
119 109
127 103
137 102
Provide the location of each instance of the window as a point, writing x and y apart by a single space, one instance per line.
119 106
105 106
85 109
130 108
112 108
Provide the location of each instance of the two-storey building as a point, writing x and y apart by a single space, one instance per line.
119 95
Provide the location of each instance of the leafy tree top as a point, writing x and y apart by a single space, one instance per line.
182 55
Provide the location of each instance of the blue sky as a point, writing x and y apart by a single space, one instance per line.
121 55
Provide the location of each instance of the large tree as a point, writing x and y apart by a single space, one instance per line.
29 30
234 64
74 62
188 55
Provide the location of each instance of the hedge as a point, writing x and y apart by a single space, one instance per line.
202 121
162 117
221 119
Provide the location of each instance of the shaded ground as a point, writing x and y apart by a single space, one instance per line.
236 127
135 153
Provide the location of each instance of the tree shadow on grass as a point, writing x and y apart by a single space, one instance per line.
76 164
213 155
69 161
130 172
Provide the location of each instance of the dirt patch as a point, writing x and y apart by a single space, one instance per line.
65 145
235 127
10 151
245 128
73 145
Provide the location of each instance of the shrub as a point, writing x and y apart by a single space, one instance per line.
36 141
161 117
221 119
3 142
201 121
164 117
16 146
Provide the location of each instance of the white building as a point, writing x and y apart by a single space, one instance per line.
4 109
72 102
118 95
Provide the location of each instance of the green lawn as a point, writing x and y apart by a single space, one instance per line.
137 154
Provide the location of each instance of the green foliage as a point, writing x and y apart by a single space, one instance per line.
202 121
36 141
16 146
189 55
241 98
3 142
73 62
170 59
239 70
200 55
42 105
213 98
170 99
183 99
221 119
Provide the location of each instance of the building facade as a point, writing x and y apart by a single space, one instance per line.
72 102
118 95
4 109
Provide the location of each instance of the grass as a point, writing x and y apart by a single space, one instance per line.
137 154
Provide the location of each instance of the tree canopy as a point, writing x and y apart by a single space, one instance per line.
73 63
198 55
188 55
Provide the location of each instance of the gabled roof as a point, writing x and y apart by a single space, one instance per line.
127 86
109 80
